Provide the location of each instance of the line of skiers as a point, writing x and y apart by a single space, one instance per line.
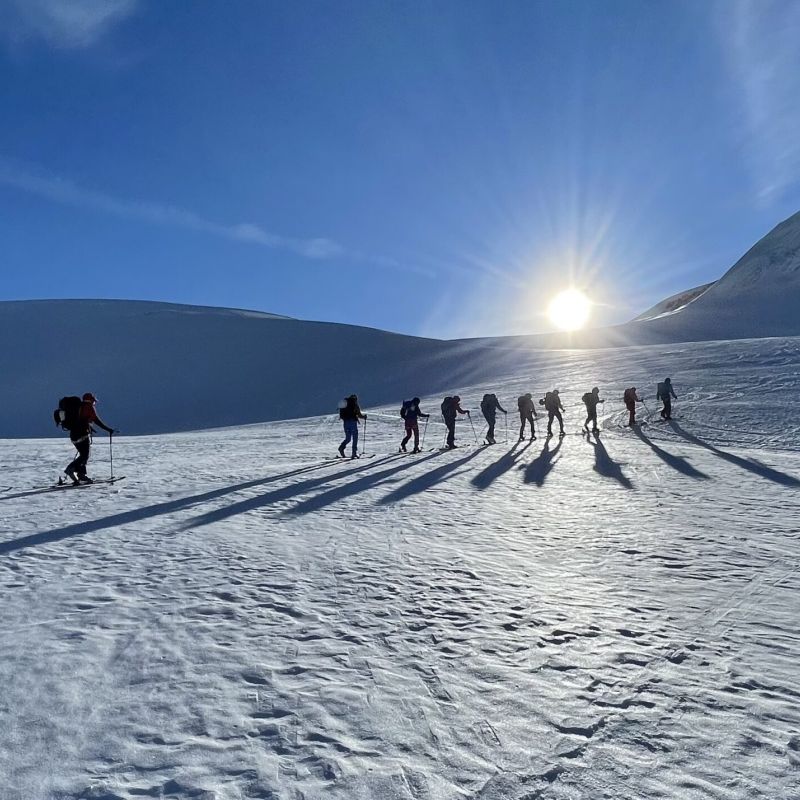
350 413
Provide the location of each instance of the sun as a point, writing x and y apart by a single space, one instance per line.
569 310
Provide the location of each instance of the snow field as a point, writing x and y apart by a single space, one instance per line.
585 618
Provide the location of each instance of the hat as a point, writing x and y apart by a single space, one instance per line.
89 398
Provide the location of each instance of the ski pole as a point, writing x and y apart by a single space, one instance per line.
424 431
473 427
506 416
364 442
111 453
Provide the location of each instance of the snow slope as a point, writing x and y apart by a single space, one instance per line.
159 367
612 617
758 296
675 303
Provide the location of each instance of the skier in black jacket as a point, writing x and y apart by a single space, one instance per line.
490 405
527 412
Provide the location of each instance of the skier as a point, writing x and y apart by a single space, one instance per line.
410 412
527 411
450 407
490 405
591 400
665 393
552 403
350 414
631 399
80 434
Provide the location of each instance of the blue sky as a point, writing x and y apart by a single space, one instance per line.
429 167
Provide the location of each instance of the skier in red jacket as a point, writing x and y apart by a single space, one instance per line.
80 435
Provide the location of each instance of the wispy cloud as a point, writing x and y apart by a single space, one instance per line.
62 23
761 41
68 193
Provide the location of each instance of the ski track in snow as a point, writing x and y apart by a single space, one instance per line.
584 618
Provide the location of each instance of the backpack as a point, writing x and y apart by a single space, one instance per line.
588 398
342 408
447 406
550 402
404 409
662 390
629 396
68 413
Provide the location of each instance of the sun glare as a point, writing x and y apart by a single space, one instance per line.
569 310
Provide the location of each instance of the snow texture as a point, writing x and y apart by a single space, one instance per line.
610 617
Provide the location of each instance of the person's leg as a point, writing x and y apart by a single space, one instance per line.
593 420
451 432
632 413
522 419
533 428
490 432
667 408
409 431
550 415
354 433
560 421
80 462
347 437
415 430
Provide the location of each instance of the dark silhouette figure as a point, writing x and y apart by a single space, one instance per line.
666 394
490 405
630 398
411 414
591 400
552 403
350 415
450 407
527 413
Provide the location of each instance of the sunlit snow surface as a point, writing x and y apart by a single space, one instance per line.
576 619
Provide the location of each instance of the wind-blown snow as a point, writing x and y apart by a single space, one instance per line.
612 617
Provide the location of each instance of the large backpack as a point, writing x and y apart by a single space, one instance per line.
550 402
588 398
405 408
68 413
629 396
447 406
343 408
662 390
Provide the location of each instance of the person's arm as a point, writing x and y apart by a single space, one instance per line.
461 410
102 424
500 408
673 393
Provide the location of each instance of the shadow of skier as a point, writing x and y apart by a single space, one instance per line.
487 476
538 470
426 481
678 463
749 464
168 507
604 465
331 496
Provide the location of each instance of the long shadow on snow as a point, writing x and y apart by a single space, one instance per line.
749 464
604 465
486 477
538 470
278 495
426 481
156 510
678 463
337 493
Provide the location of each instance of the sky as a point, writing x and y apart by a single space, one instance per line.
433 168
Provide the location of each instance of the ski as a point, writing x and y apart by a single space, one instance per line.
98 482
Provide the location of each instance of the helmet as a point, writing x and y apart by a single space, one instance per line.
89 398
528 395
456 398
555 391
415 401
667 380
595 390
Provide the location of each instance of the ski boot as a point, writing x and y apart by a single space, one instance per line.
70 473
